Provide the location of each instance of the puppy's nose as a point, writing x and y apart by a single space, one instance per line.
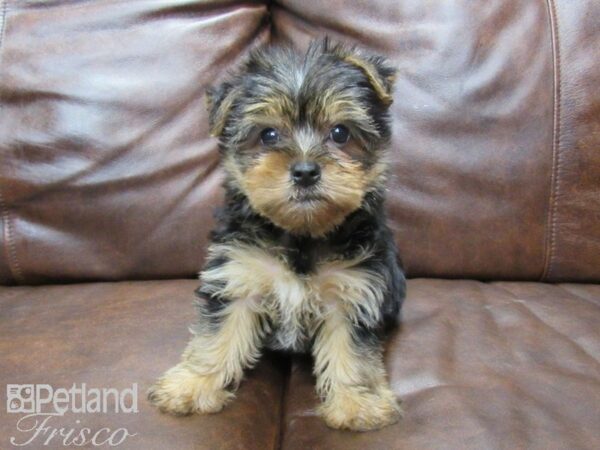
305 174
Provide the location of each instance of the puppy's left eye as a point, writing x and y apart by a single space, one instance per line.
339 134
269 136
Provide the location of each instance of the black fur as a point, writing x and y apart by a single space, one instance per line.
366 227
308 266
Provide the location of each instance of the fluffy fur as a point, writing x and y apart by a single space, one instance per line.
298 268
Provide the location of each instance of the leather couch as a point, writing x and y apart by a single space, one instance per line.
108 178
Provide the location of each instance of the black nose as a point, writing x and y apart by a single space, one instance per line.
305 173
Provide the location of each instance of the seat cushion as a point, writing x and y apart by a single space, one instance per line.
113 335
478 365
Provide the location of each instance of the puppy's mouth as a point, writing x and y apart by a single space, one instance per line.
306 197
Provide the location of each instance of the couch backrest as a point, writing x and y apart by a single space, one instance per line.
107 171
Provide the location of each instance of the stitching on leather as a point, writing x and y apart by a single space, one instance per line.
9 245
551 223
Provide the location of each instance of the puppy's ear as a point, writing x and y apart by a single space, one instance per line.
380 74
219 102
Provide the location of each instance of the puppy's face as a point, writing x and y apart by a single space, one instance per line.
303 136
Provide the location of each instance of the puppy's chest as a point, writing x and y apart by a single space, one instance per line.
294 302
294 318
302 255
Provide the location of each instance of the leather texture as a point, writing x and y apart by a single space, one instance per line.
495 168
478 365
107 173
107 170
111 335
574 219
106 166
498 365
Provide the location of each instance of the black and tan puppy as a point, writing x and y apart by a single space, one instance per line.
301 258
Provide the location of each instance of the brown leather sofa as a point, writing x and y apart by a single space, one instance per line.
108 178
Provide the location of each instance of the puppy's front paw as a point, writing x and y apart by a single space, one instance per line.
180 391
360 409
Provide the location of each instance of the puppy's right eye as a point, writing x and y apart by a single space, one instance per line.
340 134
269 136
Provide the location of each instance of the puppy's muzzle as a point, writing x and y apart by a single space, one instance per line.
305 173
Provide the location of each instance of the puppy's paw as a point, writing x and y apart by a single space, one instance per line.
180 391
360 409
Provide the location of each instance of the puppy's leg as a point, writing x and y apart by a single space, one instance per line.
213 360
351 377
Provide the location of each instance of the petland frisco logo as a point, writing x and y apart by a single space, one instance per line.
45 405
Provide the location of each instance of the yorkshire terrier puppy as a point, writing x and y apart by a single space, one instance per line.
301 258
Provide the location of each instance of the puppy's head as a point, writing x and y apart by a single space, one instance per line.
303 135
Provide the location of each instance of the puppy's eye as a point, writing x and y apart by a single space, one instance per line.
339 134
269 136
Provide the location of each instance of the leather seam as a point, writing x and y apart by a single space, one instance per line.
9 245
551 221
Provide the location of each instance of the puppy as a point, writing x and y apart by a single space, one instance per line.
301 259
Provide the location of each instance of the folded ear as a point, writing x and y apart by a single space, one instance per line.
219 102
381 76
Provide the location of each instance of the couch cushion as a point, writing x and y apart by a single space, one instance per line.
106 165
479 366
499 365
496 129
108 172
114 335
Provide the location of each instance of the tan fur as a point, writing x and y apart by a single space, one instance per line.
219 117
353 387
210 363
257 295
182 391
277 292
360 409
306 140
261 284
350 288
332 107
270 191
266 283
275 107
383 92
